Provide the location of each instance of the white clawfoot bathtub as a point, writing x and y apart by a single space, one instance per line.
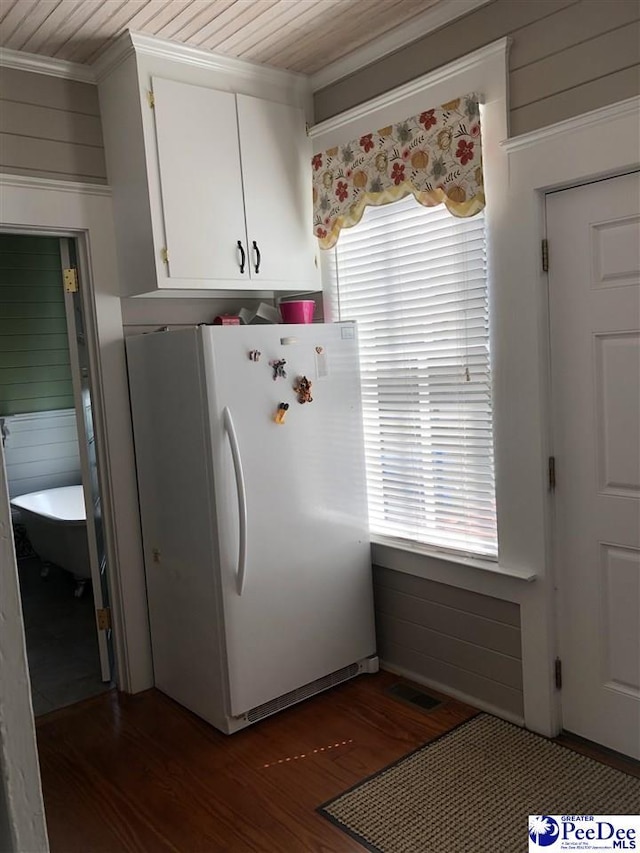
56 524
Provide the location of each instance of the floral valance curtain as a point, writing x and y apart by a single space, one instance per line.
436 156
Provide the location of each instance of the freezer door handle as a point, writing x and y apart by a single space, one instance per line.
242 498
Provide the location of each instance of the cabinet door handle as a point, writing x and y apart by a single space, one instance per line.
242 255
257 251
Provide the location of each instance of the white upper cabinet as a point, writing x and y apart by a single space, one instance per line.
276 176
200 181
211 185
234 172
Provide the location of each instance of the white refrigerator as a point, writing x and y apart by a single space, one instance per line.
253 507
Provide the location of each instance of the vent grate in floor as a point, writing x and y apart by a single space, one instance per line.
414 696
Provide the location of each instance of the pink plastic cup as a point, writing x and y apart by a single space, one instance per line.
297 311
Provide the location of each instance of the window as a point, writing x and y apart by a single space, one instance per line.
415 280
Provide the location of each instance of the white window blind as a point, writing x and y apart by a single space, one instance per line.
415 280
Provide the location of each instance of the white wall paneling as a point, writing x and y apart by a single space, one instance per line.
451 639
50 126
568 57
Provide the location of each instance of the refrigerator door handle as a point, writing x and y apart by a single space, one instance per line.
242 498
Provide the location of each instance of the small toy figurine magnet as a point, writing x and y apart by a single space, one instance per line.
278 368
302 388
281 413
319 350
254 355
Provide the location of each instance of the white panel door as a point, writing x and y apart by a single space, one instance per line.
201 184
276 169
305 608
594 291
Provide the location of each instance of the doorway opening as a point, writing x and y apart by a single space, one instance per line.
53 473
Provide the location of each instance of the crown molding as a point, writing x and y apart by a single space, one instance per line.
571 125
27 182
141 44
466 63
45 65
430 20
112 56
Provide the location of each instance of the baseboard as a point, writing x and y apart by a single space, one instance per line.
451 691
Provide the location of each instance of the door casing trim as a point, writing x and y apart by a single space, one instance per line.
571 154
84 212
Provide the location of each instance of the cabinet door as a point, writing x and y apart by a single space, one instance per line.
201 184
276 169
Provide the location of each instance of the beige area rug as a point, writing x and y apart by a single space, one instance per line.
472 790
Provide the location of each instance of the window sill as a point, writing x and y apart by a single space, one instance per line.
389 553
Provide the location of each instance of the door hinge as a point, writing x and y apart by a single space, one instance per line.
164 255
103 617
545 255
70 280
151 98
557 671
552 473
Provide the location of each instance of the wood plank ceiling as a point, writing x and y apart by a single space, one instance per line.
298 35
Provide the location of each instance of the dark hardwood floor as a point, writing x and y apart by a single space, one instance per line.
140 773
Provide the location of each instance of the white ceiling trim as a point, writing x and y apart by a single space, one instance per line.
29 182
211 60
121 48
141 43
432 19
45 65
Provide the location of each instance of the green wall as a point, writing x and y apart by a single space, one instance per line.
34 354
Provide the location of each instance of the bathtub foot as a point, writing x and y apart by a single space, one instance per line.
79 590
44 571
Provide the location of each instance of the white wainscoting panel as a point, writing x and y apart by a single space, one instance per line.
41 451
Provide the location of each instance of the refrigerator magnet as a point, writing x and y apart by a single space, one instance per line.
302 387
281 413
254 355
278 368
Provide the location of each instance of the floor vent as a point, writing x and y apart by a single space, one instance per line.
291 698
414 696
